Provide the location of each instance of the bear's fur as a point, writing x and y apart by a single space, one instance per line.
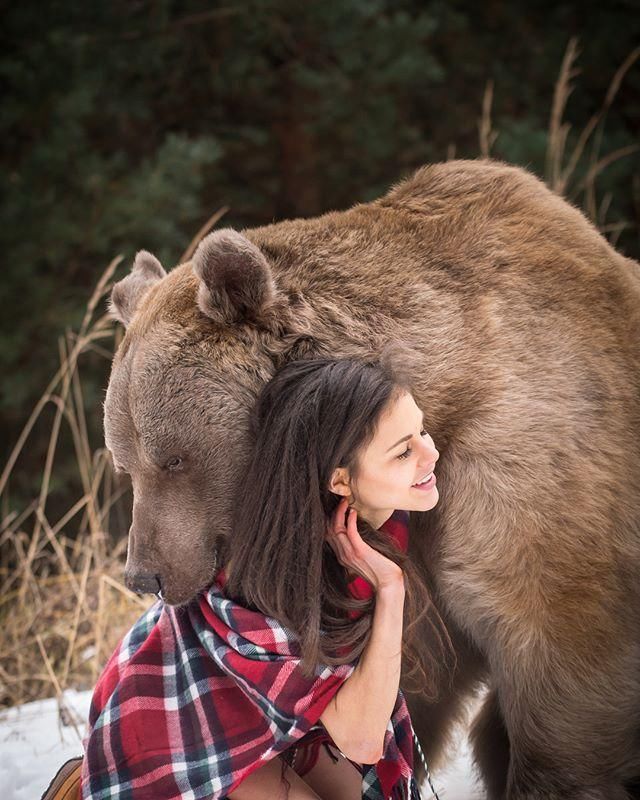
525 324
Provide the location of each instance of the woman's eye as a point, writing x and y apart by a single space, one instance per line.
408 451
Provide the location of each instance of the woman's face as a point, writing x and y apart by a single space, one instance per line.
392 468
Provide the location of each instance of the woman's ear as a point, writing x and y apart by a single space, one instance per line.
340 483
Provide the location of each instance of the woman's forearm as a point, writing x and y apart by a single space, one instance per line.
358 714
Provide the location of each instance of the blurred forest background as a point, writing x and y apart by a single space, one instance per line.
128 125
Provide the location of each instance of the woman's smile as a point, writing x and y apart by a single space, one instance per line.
425 485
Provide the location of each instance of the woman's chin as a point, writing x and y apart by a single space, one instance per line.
426 502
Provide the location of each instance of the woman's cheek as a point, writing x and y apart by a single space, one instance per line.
405 476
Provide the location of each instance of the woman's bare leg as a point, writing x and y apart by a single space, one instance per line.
267 783
334 781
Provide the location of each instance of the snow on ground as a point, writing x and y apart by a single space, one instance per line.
34 743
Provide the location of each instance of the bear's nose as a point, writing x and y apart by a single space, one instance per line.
142 582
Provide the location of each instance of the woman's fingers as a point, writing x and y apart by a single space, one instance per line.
353 534
352 521
343 535
338 523
336 527
349 541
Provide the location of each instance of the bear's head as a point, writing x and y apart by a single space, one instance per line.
200 342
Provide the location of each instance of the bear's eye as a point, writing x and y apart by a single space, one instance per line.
173 463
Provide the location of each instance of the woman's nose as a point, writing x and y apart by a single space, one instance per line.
430 453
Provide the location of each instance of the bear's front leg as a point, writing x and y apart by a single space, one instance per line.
568 716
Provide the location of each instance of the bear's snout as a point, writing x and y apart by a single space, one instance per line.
142 582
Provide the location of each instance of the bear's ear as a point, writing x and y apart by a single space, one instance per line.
127 293
236 284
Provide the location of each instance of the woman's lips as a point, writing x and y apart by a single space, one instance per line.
427 485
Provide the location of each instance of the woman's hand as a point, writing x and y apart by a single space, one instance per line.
355 554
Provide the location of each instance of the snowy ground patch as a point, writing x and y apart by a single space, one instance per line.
34 743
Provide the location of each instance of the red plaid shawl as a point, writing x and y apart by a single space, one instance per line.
196 698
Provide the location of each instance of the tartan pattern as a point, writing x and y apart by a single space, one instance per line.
196 698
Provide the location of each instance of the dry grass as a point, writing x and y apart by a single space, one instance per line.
63 605
561 166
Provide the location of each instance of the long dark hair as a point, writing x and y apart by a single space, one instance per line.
315 415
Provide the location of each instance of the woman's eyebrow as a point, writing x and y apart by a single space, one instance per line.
405 438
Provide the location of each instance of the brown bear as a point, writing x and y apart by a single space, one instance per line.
525 326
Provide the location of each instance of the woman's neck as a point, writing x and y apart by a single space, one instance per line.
375 517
